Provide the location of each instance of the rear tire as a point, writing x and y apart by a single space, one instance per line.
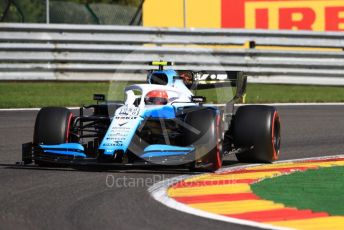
256 128
52 127
207 143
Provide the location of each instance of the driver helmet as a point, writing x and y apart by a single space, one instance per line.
156 97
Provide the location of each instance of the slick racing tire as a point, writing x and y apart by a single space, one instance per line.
257 130
52 127
207 142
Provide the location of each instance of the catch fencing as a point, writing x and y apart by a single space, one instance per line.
105 53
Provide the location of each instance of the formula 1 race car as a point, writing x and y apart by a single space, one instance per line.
161 122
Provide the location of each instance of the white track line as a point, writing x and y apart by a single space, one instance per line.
297 104
31 109
159 192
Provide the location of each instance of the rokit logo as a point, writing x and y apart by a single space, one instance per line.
317 15
210 76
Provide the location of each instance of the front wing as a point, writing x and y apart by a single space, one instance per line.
72 154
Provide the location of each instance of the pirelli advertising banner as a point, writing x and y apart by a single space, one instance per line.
316 15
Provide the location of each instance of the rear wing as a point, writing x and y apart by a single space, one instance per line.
214 79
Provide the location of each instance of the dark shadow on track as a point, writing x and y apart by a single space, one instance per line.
230 163
118 169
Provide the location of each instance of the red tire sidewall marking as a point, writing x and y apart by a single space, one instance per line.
274 119
68 127
218 157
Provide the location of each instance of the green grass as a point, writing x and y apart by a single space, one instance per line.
263 93
318 190
38 94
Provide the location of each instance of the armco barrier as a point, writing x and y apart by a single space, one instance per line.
95 53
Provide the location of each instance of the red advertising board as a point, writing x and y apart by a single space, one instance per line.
316 15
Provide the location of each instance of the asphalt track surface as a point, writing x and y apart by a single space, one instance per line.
60 198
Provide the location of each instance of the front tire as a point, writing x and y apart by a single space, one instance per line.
52 127
207 142
256 130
